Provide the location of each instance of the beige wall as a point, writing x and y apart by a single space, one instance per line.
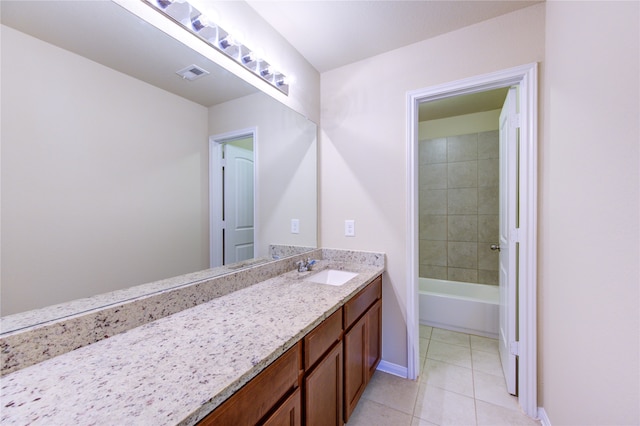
363 140
286 178
589 216
104 178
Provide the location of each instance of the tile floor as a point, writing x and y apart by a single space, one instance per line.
461 383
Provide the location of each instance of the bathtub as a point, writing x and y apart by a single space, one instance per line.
469 308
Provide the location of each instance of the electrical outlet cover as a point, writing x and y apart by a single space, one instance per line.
350 228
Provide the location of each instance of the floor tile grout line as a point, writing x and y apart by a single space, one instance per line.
473 380
486 352
419 379
446 362
387 406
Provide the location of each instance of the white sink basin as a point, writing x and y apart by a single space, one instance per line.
331 277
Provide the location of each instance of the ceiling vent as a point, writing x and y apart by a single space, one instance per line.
192 72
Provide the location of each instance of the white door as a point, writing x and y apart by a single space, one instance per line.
238 204
508 238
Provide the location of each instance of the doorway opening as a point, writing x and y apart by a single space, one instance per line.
516 241
232 197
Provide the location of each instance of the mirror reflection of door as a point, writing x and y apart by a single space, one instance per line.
232 199
238 203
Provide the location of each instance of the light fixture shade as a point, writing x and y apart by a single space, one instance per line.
281 81
248 58
180 11
228 44
162 4
199 22
265 71
210 34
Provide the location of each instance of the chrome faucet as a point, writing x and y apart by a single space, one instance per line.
305 265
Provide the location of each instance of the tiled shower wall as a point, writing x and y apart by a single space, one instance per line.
458 205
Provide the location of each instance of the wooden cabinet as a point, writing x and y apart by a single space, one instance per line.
289 413
374 337
261 396
362 342
323 391
323 373
320 380
355 365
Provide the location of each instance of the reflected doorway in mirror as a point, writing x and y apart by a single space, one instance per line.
232 197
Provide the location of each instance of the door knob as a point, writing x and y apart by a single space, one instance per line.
495 247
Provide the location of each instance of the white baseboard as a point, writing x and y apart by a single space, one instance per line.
542 416
395 369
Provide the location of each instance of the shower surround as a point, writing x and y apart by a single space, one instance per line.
458 204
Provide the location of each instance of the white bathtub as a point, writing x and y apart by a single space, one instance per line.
457 306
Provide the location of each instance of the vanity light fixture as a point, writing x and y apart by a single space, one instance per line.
191 19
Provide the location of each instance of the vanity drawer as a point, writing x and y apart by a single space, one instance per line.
261 395
357 306
322 338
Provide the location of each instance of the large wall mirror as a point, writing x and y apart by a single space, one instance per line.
106 155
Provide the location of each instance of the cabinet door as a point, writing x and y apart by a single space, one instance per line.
356 370
323 391
374 334
289 413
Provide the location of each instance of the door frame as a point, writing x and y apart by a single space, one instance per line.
215 189
526 76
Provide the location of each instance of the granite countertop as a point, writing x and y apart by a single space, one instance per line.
177 369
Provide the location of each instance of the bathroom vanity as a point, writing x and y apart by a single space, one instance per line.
281 351
312 373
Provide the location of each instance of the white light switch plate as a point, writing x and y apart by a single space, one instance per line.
295 226
349 228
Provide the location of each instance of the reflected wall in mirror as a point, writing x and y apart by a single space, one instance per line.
105 154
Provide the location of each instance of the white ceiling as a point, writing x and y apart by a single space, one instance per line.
330 34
